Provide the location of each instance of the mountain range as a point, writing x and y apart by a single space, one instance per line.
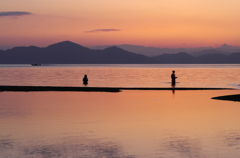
71 53
67 52
153 51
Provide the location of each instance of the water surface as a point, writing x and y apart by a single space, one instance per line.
154 75
130 124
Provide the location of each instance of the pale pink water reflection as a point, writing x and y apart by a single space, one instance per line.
133 124
123 75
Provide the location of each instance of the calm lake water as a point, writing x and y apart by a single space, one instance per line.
128 124
189 75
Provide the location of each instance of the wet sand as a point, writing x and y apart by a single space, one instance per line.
93 89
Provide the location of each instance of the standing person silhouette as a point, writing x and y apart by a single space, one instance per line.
85 80
173 77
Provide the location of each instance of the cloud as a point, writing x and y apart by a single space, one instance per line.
102 30
15 13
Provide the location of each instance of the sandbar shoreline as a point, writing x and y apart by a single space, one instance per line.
7 88
235 97
96 89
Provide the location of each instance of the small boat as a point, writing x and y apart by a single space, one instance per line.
36 64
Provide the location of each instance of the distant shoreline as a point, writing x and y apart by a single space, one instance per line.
93 89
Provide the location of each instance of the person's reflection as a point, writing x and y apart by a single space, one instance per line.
173 89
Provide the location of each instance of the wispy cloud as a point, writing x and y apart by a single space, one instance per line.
102 30
14 13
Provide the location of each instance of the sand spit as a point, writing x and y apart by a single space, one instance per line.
92 89
235 97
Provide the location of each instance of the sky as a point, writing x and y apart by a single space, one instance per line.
155 23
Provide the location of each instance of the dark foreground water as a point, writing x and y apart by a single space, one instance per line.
129 124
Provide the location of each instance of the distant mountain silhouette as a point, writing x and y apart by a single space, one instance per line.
67 46
71 53
209 51
119 55
211 59
150 51
179 58
184 58
153 51
233 58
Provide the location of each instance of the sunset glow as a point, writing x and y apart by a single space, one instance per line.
157 23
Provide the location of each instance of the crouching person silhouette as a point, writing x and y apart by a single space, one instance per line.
85 80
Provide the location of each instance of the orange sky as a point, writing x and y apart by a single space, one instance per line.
158 23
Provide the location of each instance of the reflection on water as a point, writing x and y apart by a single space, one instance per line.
130 124
77 148
123 75
183 146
